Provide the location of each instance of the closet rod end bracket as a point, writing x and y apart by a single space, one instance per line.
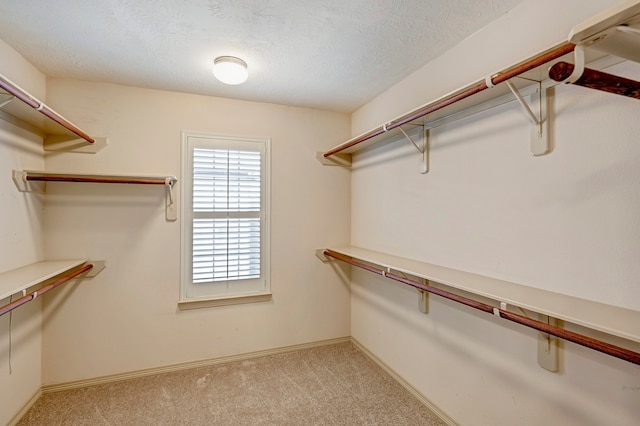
320 255
343 160
20 180
98 266
171 208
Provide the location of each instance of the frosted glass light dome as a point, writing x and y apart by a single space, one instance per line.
230 70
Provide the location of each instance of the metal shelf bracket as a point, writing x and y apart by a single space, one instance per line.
423 302
548 346
424 150
540 141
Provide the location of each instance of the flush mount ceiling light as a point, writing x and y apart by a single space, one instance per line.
230 70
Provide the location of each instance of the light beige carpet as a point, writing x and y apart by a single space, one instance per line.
329 385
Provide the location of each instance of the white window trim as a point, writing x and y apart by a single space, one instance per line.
186 302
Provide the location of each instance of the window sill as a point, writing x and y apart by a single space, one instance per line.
223 301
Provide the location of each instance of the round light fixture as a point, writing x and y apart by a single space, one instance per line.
230 70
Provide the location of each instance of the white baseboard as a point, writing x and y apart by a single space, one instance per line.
187 365
413 391
34 398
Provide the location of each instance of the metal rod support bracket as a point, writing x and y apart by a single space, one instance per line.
320 255
170 206
525 107
424 150
423 302
540 142
548 346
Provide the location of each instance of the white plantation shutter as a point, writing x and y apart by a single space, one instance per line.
226 215
224 233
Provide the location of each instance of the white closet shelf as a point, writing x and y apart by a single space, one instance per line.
600 42
613 320
35 181
17 280
473 98
22 109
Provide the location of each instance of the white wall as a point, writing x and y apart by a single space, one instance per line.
21 220
127 318
566 222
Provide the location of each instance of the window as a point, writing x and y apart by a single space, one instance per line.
224 220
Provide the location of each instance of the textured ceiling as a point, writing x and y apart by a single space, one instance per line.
328 54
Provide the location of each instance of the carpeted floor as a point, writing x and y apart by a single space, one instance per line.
329 385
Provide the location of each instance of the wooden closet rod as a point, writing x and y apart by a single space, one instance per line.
29 297
34 103
589 342
96 179
509 73
597 80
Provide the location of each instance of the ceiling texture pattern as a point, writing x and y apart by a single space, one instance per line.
327 54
